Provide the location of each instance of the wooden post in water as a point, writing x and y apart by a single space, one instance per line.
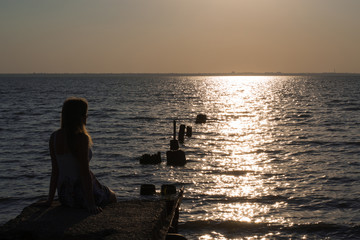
188 131
174 144
174 124
201 118
175 156
181 133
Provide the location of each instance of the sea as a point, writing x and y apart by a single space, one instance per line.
278 157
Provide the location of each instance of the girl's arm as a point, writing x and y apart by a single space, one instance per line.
86 181
54 172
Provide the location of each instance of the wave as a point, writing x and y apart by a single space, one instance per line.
325 203
343 179
268 199
147 119
12 199
343 203
238 173
23 176
7 199
232 173
242 229
266 151
325 143
302 203
352 109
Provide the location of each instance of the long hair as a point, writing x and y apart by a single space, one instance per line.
73 112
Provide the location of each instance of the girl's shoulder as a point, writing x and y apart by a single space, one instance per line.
54 134
59 141
60 133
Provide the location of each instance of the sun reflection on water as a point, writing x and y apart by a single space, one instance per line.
242 119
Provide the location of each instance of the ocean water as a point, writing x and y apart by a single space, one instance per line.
278 158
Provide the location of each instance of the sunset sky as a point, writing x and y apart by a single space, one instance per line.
179 36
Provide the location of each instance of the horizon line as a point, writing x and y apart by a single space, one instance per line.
174 73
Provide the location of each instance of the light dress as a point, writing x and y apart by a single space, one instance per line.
69 187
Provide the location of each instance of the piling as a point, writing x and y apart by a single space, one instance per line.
175 157
181 133
147 189
201 118
150 159
174 144
188 131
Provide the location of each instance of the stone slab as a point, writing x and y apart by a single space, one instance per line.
134 219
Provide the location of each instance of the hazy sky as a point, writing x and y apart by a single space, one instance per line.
162 36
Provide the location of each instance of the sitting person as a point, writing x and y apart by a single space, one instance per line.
70 155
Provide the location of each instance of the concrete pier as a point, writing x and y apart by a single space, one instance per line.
133 219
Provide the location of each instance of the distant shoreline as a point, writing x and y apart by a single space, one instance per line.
183 74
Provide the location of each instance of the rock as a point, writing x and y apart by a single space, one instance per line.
150 159
134 219
176 158
201 118
147 189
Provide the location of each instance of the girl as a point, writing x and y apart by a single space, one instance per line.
70 155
